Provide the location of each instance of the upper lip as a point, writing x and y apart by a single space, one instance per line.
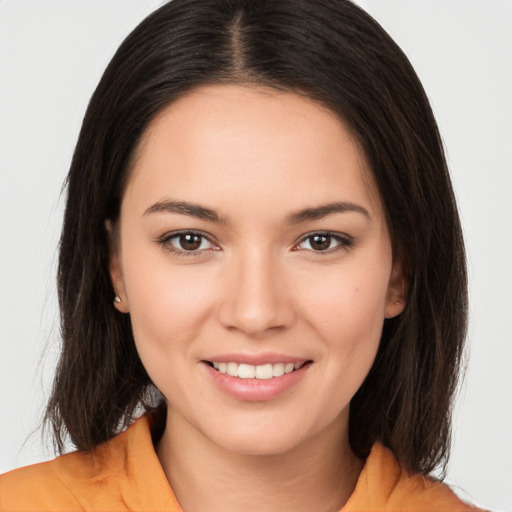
256 359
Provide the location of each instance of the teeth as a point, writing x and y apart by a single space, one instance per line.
245 371
289 367
232 369
278 369
262 371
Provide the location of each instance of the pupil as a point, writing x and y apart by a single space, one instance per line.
190 242
321 242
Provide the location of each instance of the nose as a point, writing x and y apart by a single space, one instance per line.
256 299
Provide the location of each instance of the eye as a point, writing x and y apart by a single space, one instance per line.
184 242
324 242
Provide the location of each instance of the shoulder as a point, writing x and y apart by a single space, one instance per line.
43 486
384 485
121 474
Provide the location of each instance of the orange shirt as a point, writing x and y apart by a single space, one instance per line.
125 474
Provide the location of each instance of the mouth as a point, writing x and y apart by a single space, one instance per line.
262 371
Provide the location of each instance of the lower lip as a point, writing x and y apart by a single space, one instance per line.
254 390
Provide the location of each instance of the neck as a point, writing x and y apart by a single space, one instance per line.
319 474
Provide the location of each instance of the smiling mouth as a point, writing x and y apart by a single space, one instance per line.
262 371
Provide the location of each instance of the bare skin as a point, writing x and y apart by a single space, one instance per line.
251 234
320 474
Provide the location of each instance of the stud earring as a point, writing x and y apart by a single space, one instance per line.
398 302
117 299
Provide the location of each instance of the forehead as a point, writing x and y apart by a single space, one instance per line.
258 142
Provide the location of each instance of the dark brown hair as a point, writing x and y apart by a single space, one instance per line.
336 54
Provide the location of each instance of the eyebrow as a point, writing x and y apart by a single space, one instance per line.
189 209
307 214
322 211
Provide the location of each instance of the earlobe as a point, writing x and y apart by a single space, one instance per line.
116 276
121 305
395 302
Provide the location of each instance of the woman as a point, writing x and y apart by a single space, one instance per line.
261 249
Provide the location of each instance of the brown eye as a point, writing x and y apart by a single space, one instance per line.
190 241
325 242
187 243
320 242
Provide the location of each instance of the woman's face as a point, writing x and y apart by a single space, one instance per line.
252 241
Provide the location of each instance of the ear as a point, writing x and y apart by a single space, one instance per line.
115 271
395 301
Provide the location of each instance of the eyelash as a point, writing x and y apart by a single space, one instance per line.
165 242
344 242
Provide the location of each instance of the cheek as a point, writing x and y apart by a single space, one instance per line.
345 307
169 304
345 300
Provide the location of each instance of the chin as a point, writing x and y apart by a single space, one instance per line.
260 444
261 434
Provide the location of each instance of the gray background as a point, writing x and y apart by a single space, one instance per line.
52 54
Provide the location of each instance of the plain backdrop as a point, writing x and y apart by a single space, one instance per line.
52 54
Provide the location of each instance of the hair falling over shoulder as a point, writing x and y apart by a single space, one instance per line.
332 52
